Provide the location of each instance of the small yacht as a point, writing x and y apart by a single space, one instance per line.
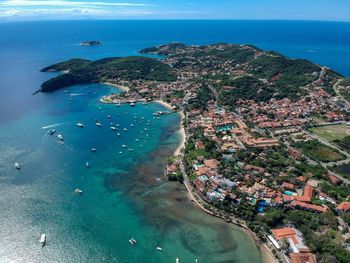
43 240
132 104
132 241
132 125
60 137
120 152
113 128
93 150
98 124
118 104
80 125
118 134
87 164
117 125
17 165
177 260
123 146
125 129
78 191
159 248
131 149
51 132
109 117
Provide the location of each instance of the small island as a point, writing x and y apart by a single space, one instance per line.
264 135
90 43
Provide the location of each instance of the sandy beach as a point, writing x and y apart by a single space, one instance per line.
182 136
163 103
121 87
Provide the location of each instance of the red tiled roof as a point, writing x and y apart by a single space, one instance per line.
344 206
302 258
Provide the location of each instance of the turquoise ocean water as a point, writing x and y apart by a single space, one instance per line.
125 194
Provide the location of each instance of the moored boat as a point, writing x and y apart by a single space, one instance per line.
78 191
80 125
43 240
17 165
132 241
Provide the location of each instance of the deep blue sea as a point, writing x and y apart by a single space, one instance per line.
125 192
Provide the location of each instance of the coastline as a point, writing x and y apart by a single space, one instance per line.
267 255
121 87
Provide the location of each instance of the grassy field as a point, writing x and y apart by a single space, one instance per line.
320 152
332 132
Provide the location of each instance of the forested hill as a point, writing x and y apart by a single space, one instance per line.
80 71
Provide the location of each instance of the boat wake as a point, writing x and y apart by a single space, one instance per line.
51 126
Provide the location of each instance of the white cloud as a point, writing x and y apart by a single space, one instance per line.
63 3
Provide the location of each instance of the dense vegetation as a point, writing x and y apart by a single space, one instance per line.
319 152
345 82
128 68
246 87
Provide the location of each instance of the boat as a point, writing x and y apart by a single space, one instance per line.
109 117
78 191
196 261
120 152
60 137
132 104
98 124
132 125
51 132
43 240
118 104
125 129
113 128
118 134
117 125
87 164
93 150
132 241
131 149
80 125
159 248
177 260
123 146
17 165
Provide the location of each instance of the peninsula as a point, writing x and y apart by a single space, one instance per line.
257 151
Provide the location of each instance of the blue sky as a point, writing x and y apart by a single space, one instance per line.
338 10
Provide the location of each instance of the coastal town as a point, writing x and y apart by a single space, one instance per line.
266 138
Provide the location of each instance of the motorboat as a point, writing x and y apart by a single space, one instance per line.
113 128
78 191
118 134
80 125
17 165
125 129
109 117
177 260
60 137
87 164
93 149
132 241
159 248
43 240
123 146
132 104
98 124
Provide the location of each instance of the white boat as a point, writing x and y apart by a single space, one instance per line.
59 136
17 165
87 164
43 240
123 146
117 125
78 191
177 260
125 129
93 150
113 128
132 125
131 149
132 241
118 104
159 248
98 124
132 104
109 117
118 134
80 125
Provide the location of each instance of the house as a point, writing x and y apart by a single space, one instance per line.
288 186
309 207
343 207
334 179
302 258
